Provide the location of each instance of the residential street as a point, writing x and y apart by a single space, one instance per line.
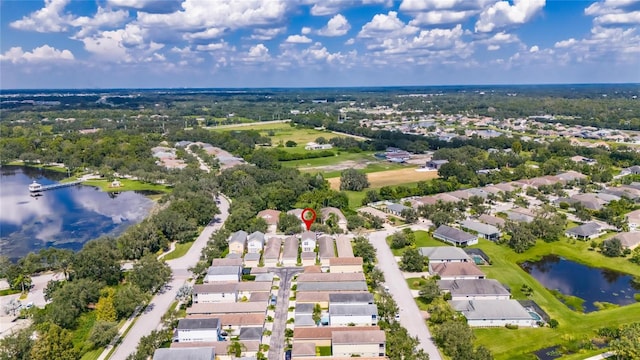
410 316
276 347
160 303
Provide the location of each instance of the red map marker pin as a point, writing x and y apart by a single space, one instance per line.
308 217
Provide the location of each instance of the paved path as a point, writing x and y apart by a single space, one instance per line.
276 347
151 318
410 316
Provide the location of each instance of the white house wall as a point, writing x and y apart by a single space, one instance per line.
205 298
197 335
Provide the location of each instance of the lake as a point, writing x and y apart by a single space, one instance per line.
63 218
587 283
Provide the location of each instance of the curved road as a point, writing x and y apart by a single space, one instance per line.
151 318
410 316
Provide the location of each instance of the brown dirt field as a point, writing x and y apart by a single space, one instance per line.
391 177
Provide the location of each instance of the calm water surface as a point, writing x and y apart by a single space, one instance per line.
64 218
590 284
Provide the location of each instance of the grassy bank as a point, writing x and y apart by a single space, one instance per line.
127 185
180 251
518 344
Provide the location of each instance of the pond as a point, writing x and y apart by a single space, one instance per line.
64 218
570 279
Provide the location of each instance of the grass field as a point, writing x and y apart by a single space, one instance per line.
179 251
518 344
127 185
423 239
391 177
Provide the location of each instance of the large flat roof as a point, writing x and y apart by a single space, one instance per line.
333 286
491 309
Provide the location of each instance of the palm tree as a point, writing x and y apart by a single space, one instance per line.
236 348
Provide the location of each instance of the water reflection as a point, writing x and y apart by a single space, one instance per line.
66 217
590 284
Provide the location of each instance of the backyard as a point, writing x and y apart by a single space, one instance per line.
519 344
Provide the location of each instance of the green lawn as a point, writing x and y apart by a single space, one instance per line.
510 344
415 283
323 350
327 161
423 239
92 355
128 185
179 251
370 168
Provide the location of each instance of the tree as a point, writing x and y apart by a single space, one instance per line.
289 224
184 293
126 299
375 277
105 310
23 282
354 180
290 143
16 345
54 344
236 348
317 312
363 248
409 215
102 333
455 338
612 248
412 261
98 260
149 274
401 239
429 291
627 345
354 222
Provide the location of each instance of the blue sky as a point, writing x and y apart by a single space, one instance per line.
309 43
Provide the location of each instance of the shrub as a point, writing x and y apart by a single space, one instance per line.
553 323
511 326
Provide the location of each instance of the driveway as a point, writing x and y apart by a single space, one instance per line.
410 316
151 319
276 347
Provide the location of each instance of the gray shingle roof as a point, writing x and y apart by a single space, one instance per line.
353 298
306 308
585 230
351 310
224 270
397 208
190 324
480 227
444 253
491 309
239 236
200 353
328 286
473 287
250 333
453 234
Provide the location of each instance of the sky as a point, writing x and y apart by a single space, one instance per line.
315 43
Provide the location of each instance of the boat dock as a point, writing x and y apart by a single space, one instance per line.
36 187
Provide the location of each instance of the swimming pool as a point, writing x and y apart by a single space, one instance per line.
535 316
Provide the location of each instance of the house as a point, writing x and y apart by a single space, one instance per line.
343 286
222 348
196 353
237 242
350 315
308 241
304 315
227 262
485 231
345 265
307 277
461 194
493 313
633 170
364 343
251 260
223 273
196 330
456 270
629 240
308 258
436 164
303 349
215 292
571 175
228 308
492 220
326 250
250 333
290 251
255 242
314 146
587 231
353 299
271 255
397 209
633 219
321 336
271 217
231 323
474 289
521 215
343 245
454 236
320 297
334 214
442 254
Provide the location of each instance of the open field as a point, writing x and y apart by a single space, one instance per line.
423 239
127 185
391 177
518 344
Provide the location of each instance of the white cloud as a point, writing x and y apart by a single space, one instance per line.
298 39
210 33
502 14
267 34
126 45
197 14
102 18
493 47
386 25
629 18
258 51
305 30
336 26
152 6
213 46
44 53
565 43
328 7
441 17
47 19
350 41
534 49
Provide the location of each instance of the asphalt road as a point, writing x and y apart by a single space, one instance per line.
151 318
276 347
410 316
